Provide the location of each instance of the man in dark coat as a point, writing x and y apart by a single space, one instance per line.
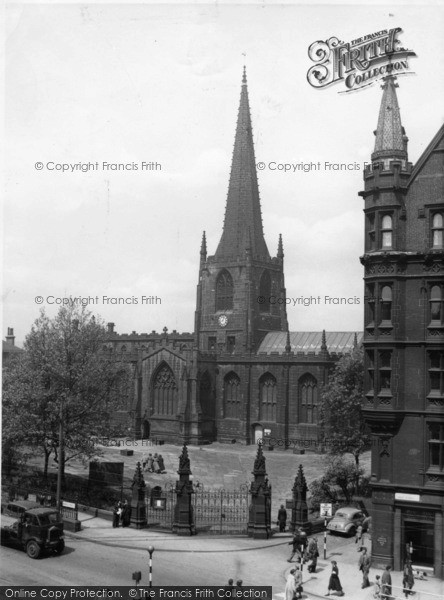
364 566
386 583
312 554
299 543
126 514
282 518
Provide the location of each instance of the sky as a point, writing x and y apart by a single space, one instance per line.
156 83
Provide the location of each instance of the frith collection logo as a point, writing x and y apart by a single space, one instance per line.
359 63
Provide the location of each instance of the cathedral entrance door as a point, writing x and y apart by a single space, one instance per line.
146 430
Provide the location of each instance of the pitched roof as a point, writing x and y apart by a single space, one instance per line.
310 341
437 142
243 219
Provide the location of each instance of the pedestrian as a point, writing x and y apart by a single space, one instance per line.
161 464
358 538
334 583
282 518
377 588
144 461
149 463
290 585
386 583
126 514
296 543
364 566
239 583
298 582
116 514
408 580
231 587
313 554
155 464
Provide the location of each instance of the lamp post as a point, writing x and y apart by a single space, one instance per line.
151 550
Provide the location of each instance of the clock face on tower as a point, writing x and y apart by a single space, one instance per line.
223 320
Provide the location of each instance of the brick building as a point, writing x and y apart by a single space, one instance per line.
241 373
403 341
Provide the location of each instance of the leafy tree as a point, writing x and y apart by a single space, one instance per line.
342 481
63 376
341 417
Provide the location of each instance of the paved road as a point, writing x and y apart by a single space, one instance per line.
110 556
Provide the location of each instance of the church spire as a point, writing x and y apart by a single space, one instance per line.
391 141
243 210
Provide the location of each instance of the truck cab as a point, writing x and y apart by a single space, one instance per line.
32 527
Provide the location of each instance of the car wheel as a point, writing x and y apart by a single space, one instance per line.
33 549
60 547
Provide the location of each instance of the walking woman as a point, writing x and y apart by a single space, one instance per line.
334 583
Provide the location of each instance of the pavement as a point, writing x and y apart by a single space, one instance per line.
256 562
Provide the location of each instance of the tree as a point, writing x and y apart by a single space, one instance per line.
64 374
341 418
342 480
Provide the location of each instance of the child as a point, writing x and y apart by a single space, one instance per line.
377 590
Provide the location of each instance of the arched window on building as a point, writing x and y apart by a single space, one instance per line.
268 397
224 291
437 230
387 231
232 396
265 292
164 391
308 394
386 304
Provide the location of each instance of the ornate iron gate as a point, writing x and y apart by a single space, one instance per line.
215 511
160 504
221 511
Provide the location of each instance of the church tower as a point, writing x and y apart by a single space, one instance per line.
403 342
241 290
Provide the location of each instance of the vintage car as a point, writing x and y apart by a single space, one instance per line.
32 527
346 520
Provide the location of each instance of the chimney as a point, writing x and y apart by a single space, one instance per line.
10 338
110 327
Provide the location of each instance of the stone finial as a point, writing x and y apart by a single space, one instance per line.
288 343
300 483
138 479
184 462
280 252
259 463
324 341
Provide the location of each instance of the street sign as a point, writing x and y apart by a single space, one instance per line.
326 510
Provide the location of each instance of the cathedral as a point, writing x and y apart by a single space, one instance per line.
242 375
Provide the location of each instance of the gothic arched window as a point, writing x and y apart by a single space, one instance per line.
224 291
265 292
232 396
308 393
164 391
268 397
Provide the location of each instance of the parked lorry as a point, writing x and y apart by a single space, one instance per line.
32 527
